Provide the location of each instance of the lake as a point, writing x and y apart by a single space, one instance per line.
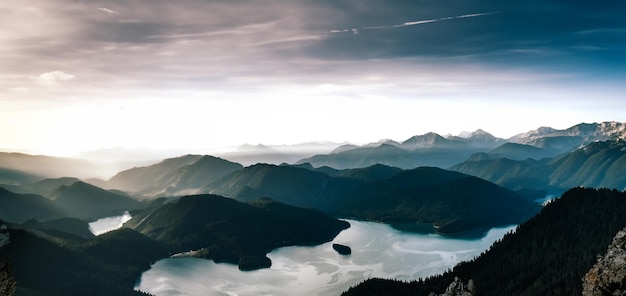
378 250
107 224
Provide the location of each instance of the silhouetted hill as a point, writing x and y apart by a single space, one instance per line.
176 176
139 178
451 201
16 177
520 152
17 208
100 266
44 187
223 229
291 185
548 255
84 201
363 157
368 174
191 178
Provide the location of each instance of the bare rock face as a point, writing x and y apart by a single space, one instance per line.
457 288
608 275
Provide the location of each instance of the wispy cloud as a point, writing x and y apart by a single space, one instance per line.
54 77
108 11
413 23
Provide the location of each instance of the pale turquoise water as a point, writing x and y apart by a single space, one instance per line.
378 250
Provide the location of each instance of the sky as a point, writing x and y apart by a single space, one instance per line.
193 75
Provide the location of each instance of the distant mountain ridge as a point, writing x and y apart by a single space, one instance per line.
432 149
598 164
173 176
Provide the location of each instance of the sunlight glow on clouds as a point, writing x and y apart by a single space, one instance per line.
54 77
197 74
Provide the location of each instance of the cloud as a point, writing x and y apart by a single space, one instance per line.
108 11
413 23
54 77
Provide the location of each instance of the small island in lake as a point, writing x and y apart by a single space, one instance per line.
341 249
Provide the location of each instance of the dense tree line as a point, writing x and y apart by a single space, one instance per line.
547 255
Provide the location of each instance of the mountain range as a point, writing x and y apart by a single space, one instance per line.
211 207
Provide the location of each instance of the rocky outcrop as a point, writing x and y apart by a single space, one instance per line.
608 275
457 288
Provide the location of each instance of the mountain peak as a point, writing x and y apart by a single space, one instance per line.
424 141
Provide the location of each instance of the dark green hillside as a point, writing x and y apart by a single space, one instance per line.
291 185
87 202
125 247
368 174
512 174
599 164
17 208
451 201
548 255
73 226
223 229
41 267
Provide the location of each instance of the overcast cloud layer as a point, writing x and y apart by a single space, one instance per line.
78 75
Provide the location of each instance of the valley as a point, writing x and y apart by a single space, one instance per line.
267 220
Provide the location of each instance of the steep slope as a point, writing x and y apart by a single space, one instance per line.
223 229
573 137
84 201
140 178
176 176
17 208
547 255
598 164
191 178
608 275
512 174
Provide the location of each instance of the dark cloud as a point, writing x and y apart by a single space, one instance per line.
534 32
